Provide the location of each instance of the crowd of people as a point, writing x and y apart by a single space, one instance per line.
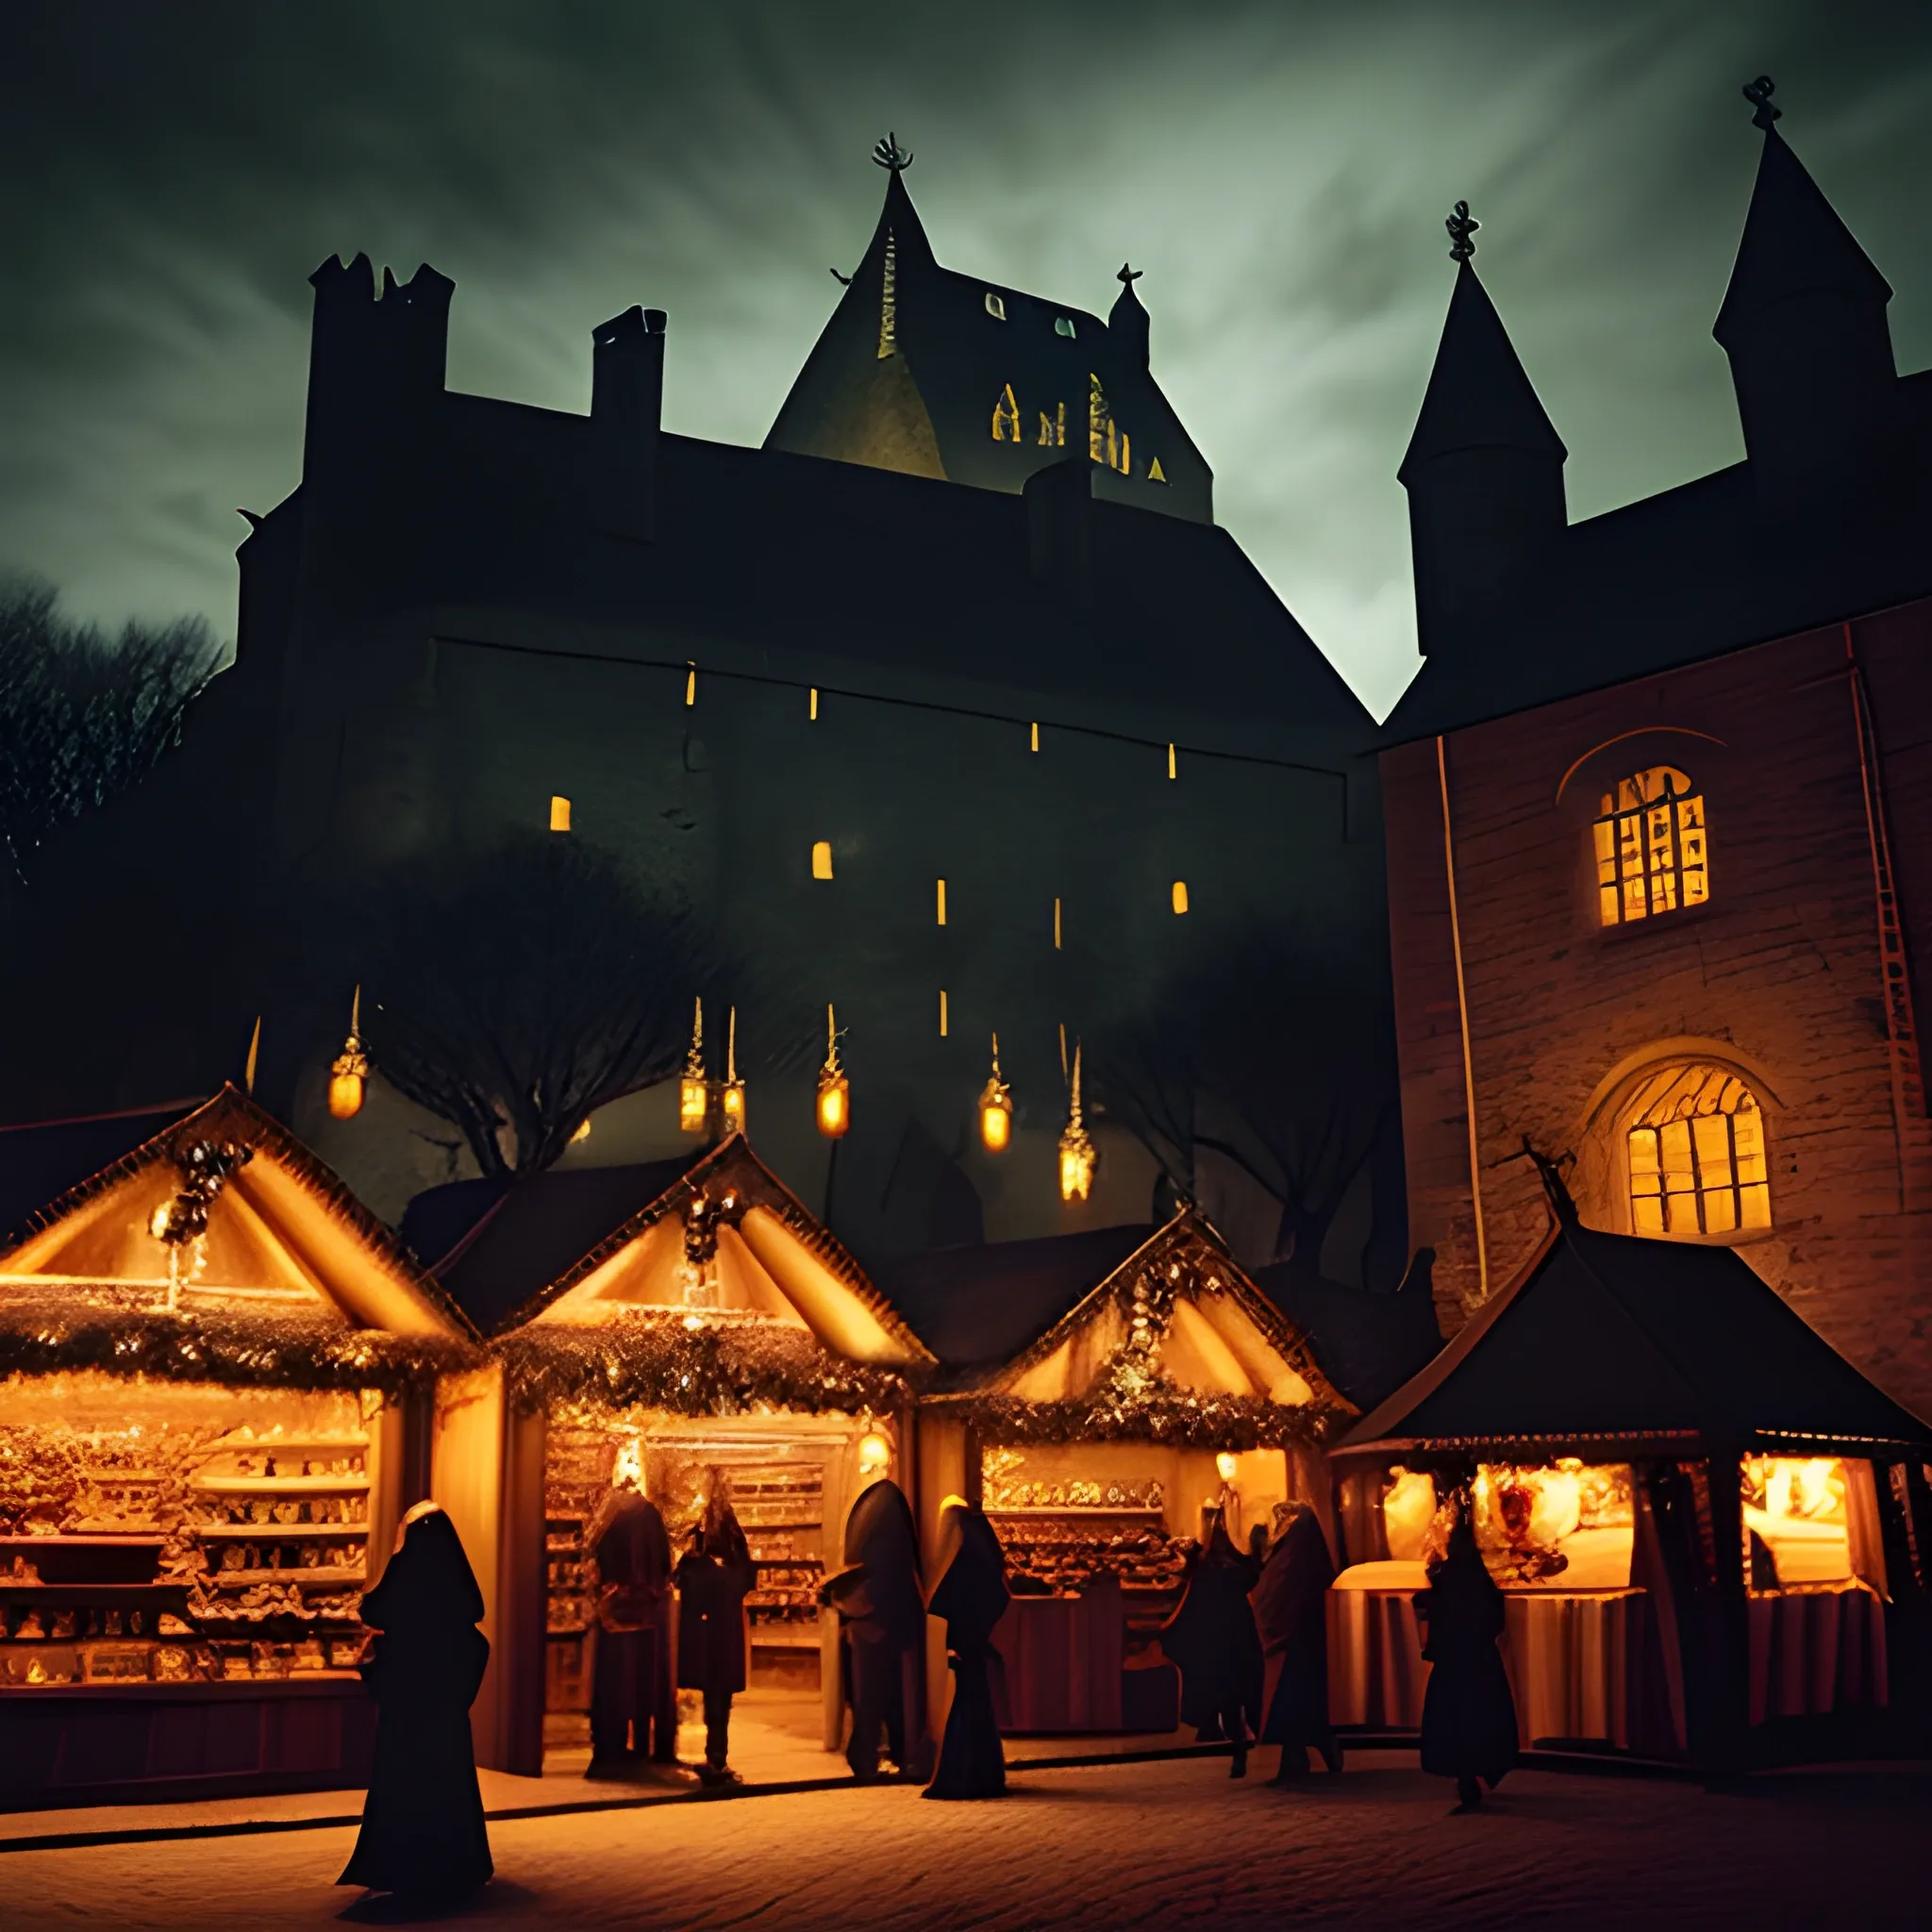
1249 1640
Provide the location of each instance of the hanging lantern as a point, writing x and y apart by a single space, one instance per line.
731 1094
835 1090
350 1068
1080 1158
1227 1467
995 1107
874 1449
693 1090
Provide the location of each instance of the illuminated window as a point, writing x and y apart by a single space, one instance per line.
1652 854
1181 895
559 814
822 859
1052 429
942 1012
1005 417
942 902
1154 472
995 307
1697 1160
1063 326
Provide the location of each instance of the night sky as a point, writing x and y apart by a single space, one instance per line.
171 173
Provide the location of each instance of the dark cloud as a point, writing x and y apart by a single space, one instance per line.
169 176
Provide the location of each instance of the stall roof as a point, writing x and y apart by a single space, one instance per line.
495 1245
1604 1336
978 1307
288 1275
1370 1340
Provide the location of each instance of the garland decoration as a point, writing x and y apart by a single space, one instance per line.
1161 1413
691 1366
43 1335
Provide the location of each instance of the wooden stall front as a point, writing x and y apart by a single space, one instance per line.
218 1380
1703 1519
1156 1383
719 1334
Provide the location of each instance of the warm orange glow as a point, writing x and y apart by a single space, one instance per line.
835 1090
731 1099
875 1453
942 902
1797 1505
995 1107
1652 850
1080 1158
1181 896
560 814
1408 1510
583 1132
1567 1524
345 1095
1697 1154
350 1070
694 1090
822 859
942 1012
1227 1467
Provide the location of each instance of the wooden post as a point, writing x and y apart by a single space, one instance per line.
1723 1748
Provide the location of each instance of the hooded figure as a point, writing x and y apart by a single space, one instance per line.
631 1679
713 1581
422 1829
972 1596
1469 1716
882 1607
1214 1641
1292 1613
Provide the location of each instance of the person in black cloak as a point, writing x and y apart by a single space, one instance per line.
1469 1716
713 1577
1291 1614
632 1551
882 1607
1213 1640
972 1596
422 1830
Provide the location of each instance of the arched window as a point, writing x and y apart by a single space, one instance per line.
1652 854
1696 1150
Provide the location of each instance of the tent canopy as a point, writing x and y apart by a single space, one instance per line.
1606 1335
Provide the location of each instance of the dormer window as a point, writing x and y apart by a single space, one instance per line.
995 307
1063 326
1652 852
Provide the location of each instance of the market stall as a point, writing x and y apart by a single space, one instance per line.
218 1382
1156 1383
1698 1513
719 1334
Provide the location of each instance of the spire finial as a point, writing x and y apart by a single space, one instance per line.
1759 94
889 155
1129 275
1463 227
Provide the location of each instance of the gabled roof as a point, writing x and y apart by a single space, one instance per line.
1611 1338
774 1261
1478 395
1794 243
1211 1334
910 369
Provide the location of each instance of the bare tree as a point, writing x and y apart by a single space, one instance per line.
514 991
1274 1056
83 715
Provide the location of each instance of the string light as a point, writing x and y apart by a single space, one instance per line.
995 1107
835 1090
693 1090
351 1068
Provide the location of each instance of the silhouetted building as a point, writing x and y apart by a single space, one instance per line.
1658 807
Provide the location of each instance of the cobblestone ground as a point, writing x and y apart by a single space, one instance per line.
1159 1845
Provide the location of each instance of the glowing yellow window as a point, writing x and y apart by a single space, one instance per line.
1181 895
822 859
1698 1157
1005 416
942 902
560 814
1652 849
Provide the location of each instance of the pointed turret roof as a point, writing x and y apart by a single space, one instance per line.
1794 243
1478 397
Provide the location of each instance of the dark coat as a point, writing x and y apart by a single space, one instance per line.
1214 1641
422 1827
712 1584
1469 1716
1291 1615
878 1594
632 1551
972 1596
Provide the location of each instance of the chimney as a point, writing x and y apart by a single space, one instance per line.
1059 527
626 402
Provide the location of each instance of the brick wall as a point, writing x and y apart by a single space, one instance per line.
1777 976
